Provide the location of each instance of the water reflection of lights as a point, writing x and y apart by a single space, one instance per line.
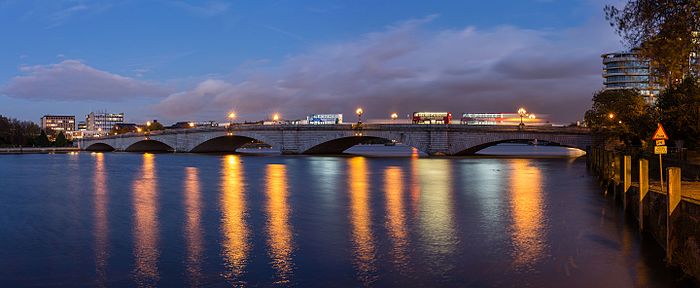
437 214
234 226
145 194
101 222
278 228
193 229
360 218
396 220
527 207
326 172
415 187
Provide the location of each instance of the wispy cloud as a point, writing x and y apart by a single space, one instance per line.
72 80
69 9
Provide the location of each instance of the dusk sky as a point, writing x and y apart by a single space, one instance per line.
198 60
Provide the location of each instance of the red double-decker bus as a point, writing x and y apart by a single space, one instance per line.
432 117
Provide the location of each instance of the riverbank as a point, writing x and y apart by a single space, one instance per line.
676 225
36 150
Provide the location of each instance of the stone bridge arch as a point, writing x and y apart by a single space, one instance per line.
341 141
100 147
149 145
476 143
219 142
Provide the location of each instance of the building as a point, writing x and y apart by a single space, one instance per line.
103 121
624 70
54 124
82 126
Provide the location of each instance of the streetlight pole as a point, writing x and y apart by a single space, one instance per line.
359 112
231 116
394 116
522 112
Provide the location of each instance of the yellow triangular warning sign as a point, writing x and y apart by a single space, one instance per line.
660 134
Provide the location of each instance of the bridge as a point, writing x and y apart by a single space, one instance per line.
450 139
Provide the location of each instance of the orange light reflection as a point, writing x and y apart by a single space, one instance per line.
145 203
193 227
528 219
234 226
278 228
396 222
101 222
360 218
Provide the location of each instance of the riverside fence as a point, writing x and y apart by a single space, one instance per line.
669 211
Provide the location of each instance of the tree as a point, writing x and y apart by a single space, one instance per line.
621 115
156 126
61 140
665 31
17 133
679 111
42 140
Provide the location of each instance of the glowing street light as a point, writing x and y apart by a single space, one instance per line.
276 117
359 112
531 116
191 124
148 123
611 116
522 112
394 116
138 129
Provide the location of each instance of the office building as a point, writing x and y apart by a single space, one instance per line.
54 124
103 121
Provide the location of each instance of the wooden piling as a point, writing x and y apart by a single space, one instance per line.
643 189
674 199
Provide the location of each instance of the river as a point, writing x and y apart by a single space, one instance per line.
129 219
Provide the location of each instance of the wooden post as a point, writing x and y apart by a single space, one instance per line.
627 181
643 189
674 199
617 173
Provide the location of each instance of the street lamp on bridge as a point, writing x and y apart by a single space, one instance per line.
522 112
394 116
231 116
359 112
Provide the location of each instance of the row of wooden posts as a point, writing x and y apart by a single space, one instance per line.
611 166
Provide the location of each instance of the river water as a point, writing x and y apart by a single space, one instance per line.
168 220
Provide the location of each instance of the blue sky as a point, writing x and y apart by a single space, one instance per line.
196 60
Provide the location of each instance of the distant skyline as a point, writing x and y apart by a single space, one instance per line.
198 60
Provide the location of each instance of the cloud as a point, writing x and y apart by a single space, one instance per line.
72 80
408 67
65 10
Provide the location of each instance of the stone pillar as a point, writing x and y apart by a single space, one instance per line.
643 189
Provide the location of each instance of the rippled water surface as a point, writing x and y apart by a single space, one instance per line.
121 219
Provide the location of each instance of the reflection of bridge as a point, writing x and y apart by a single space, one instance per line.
334 139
